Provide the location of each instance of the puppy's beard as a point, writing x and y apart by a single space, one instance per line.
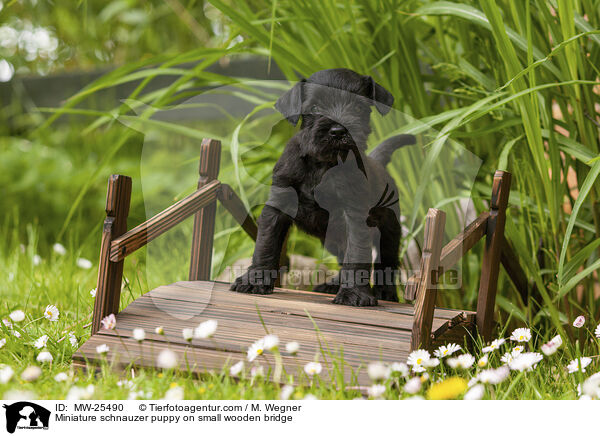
324 147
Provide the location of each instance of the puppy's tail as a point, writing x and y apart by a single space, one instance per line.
383 152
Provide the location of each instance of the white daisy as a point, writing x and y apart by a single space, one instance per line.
376 391
31 373
6 373
256 349
188 334
464 361
521 335
579 321
61 377
37 259
518 349
310 397
399 368
109 322
591 386
166 359
59 249
257 371
525 361
597 331
494 376
175 393
270 342
17 315
41 341
51 313
16 334
552 346
139 334
418 358
475 393
93 292
236 369
292 347
313 368
206 329
286 392
159 330
73 340
83 263
446 350
496 343
102 349
574 364
2 342
378 371
413 385
7 323
506 358
432 363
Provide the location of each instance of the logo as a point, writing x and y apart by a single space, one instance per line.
26 415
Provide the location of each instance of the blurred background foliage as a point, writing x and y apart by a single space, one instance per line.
515 82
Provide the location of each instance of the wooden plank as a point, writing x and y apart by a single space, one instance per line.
204 220
163 221
491 255
110 273
426 291
230 200
453 251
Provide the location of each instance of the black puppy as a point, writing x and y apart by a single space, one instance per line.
326 185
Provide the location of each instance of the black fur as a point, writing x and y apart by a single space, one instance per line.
326 184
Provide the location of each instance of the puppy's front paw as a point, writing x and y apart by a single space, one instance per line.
355 297
385 292
252 283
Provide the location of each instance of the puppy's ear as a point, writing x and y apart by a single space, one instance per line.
382 98
290 103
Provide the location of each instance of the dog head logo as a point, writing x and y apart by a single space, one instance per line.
26 415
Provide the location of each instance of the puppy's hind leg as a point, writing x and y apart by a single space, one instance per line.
386 270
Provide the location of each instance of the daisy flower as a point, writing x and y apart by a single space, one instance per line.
73 340
6 373
102 349
292 347
2 342
286 392
206 329
139 334
270 342
574 364
399 368
59 249
376 391
579 321
17 315
496 343
37 259
167 359
51 313
236 369
41 341
159 330
256 349
518 349
446 350
378 371
597 331
494 376
550 347
432 363
464 361
61 377
44 357
475 393
174 393
83 263
525 361
313 368
31 373
417 359
109 322
591 386
93 292
521 335
506 358
257 371
188 334
413 385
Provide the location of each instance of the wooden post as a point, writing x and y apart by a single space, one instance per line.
426 288
110 274
492 252
204 220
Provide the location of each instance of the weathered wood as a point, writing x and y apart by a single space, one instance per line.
163 221
363 335
110 273
491 255
453 251
426 291
204 221
234 205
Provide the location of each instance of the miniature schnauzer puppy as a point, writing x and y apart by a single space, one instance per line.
326 184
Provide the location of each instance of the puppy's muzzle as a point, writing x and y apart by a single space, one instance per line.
337 131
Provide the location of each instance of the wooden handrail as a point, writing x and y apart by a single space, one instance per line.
163 221
230 200
453 250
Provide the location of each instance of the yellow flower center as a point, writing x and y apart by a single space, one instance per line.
445 352
49 313
419 360
259 351
521 337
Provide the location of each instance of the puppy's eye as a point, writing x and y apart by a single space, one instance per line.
315 109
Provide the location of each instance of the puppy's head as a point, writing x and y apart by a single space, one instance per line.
335 106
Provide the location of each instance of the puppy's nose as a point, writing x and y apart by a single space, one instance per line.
337 131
